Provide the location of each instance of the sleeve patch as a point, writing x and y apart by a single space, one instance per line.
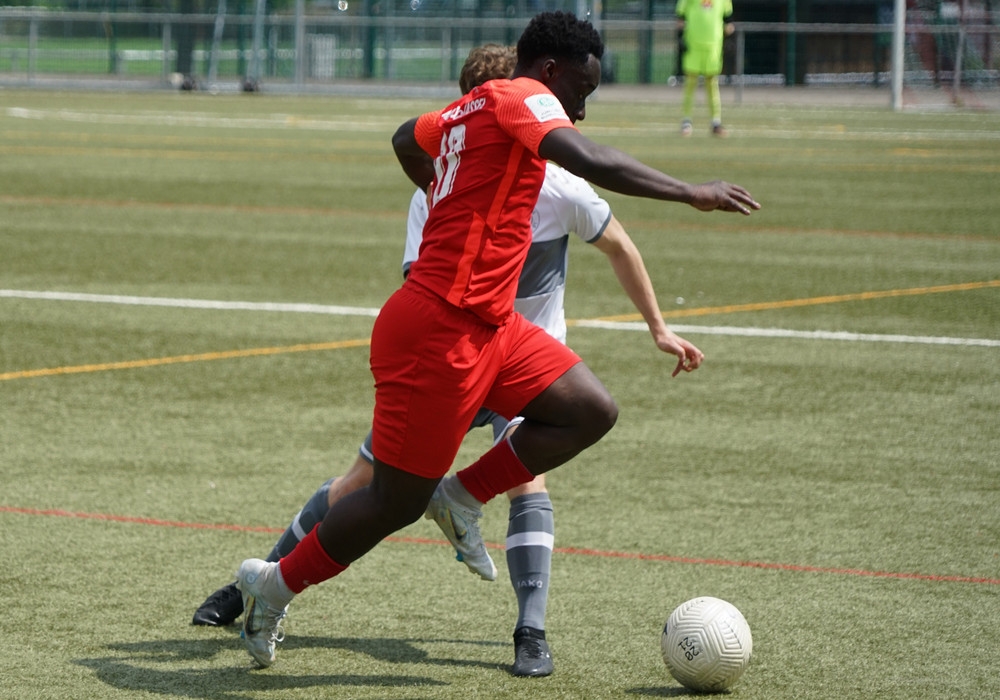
545 107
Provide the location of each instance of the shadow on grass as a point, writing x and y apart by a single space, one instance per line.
133 666
402 651
671 692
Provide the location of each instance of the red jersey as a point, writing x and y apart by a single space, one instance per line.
487 178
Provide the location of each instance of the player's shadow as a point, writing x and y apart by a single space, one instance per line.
670 692
395 650
152 666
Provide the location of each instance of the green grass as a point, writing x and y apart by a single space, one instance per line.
843 493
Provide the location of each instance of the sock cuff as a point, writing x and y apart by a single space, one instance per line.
496 472
308 564
539 498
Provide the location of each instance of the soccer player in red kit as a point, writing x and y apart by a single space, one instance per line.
448 341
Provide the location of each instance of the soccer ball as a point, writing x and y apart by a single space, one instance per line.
706 644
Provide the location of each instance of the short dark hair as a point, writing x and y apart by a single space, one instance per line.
560 35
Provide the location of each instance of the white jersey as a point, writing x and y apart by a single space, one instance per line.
566 204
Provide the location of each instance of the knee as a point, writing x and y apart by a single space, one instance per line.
595 417
593 408
398 508
399 498
603 416
408 510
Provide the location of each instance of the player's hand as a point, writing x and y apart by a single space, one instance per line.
723 196
689 357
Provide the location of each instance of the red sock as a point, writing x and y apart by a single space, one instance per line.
308 564
496 472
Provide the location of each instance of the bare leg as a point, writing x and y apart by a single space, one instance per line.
360 474
360 520
573 413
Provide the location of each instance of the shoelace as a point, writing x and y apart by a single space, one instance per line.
224 595
279 633
531 648
273 619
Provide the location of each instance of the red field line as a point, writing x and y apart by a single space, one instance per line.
604 554
779 567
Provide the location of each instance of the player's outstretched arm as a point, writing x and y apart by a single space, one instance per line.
630 270
617 171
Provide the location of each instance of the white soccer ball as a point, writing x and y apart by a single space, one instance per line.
706 644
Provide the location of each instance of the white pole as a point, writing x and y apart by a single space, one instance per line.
213 61
898 39
253 74
957 75
300 42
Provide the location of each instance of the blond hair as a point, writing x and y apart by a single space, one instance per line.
486 63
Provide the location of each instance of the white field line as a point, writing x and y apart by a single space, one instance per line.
748 332
787 333
191 303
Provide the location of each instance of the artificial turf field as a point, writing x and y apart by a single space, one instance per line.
833 469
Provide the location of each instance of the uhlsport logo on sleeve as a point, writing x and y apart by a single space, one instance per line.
545 107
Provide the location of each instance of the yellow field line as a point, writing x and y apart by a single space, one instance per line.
813 301
202 357
340 344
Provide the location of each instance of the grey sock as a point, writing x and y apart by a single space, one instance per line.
530 534
302 524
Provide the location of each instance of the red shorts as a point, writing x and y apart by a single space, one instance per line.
436 365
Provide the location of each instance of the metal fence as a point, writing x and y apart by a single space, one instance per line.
310 52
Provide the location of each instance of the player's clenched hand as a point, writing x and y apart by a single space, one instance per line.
723 196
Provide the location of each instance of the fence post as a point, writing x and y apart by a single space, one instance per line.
791 46
213 59
446 54
300 43
254 72
165 63
109 27
741 43
368 59
32 47
956 78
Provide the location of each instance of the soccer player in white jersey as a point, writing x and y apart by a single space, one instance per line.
566 205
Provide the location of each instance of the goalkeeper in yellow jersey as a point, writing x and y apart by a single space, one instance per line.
704 25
